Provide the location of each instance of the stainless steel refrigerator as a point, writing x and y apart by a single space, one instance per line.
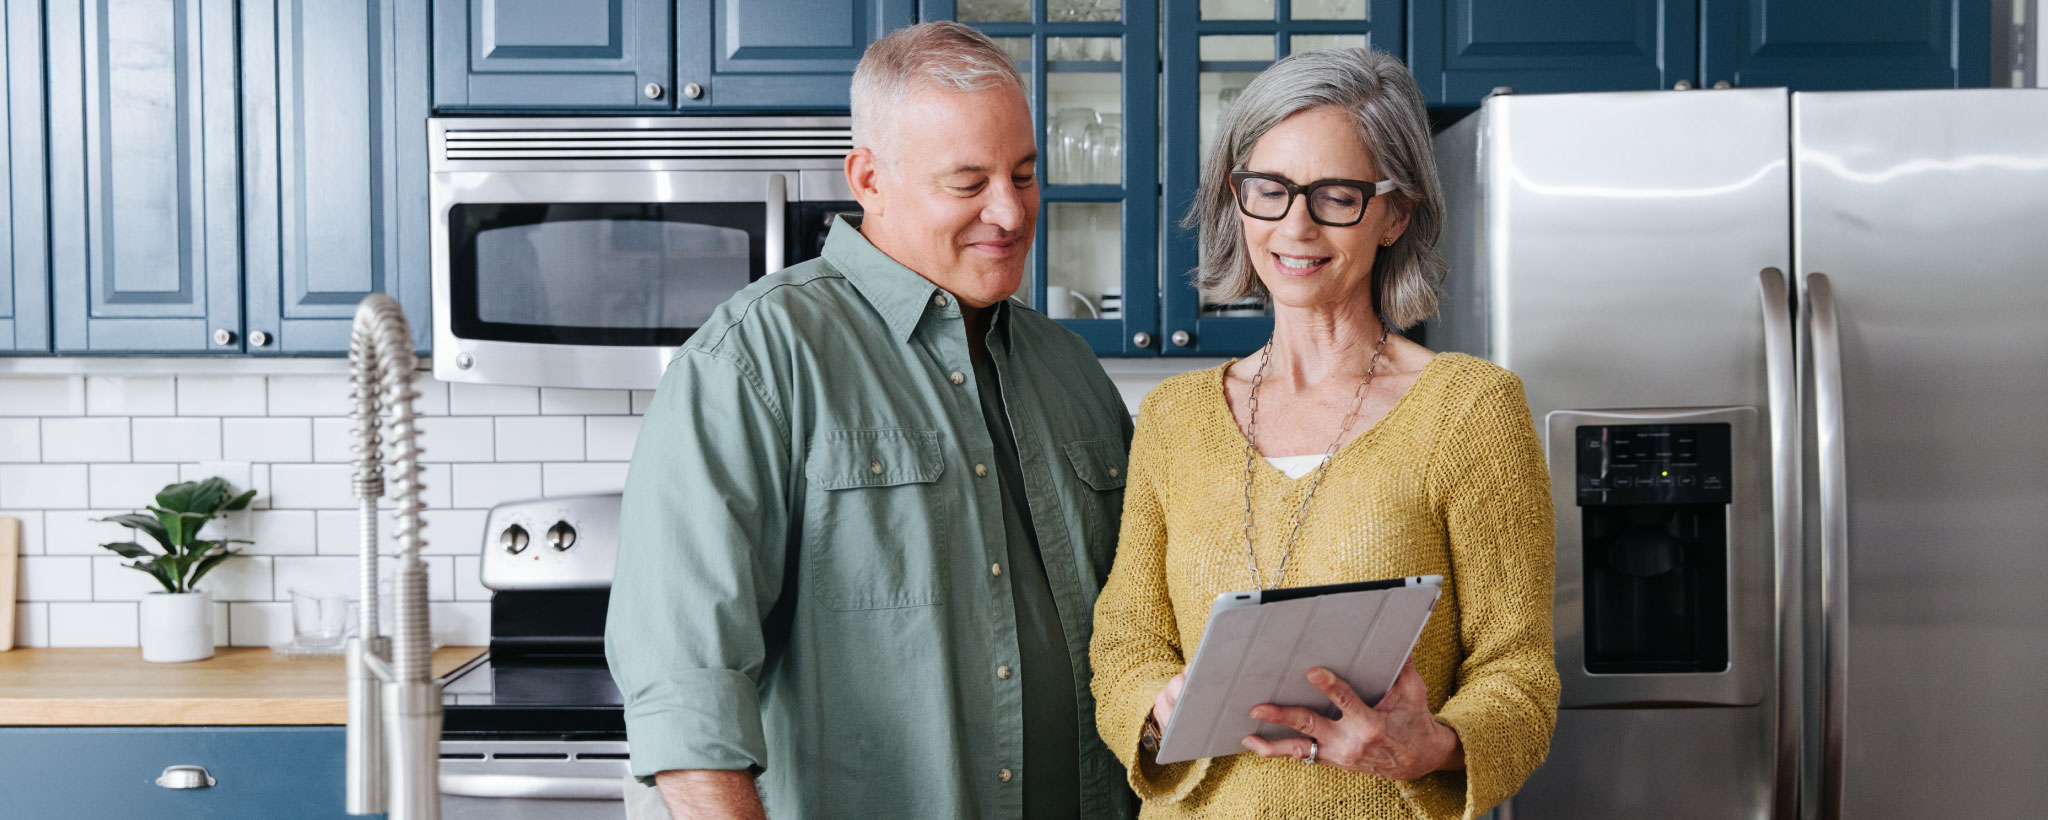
1789 354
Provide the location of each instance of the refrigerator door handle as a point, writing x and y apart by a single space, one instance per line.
1782 373
1833 465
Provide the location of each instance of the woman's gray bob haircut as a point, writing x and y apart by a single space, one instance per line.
1380 94
944 55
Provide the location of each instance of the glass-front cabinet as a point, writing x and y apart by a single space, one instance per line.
1213 49
1092 67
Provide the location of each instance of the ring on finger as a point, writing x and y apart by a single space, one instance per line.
1313 749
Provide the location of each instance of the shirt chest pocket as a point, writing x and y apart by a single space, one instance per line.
875 526
1100 464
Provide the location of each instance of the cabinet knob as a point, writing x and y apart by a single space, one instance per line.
1182 338
185 777
652 90
1723 84
1142 339
223 336
1682 85
693 90
259 338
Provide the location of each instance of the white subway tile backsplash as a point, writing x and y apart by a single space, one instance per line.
340 531
31 625
610 438
131 395
86 439
31 529
220 623
282 532
433 399
453 532
238 474
269 440
440 576
78 532
530 438
559 401
241 578
311 486
94 624
469 583
221 395
492 400
483 485
310 396
44 396
129 486
259 624
584 478
333 440
48 578
437 486
177 439
21 440
641 399
460 624
113 580
44 486
314 575
457 438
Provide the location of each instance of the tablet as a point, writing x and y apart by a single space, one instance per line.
1259 646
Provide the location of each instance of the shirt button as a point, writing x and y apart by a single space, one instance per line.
1004 775
940 300
1003 672
1112 472
981 470
875 467
956 377
996 570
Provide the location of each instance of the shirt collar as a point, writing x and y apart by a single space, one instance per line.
895 291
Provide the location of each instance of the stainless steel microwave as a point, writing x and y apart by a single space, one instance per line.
582 252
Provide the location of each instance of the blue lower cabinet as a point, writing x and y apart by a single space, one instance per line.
264 772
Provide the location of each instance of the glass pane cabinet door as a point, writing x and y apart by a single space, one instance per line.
1213 51
1091 70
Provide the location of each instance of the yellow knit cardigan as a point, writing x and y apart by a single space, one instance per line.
1451 482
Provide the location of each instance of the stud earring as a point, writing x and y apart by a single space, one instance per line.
1387 242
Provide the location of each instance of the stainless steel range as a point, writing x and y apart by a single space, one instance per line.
534 729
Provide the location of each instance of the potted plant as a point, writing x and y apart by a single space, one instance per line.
177 623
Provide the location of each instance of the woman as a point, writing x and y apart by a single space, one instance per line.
1342 451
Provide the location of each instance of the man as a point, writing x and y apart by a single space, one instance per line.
873 502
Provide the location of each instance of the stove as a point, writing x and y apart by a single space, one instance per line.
535 728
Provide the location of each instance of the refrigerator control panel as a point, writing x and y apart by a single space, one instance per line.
1625 464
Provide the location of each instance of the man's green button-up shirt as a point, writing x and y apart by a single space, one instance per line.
812 557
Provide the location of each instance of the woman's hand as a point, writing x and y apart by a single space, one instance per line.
1397 739
1162 703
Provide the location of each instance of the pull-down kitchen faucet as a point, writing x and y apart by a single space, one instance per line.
394 703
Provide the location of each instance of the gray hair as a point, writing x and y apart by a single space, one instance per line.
1380 94
945 55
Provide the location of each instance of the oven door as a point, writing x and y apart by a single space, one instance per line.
592 278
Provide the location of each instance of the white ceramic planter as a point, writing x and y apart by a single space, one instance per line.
177 627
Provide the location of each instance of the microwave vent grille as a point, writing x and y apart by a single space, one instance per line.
653 143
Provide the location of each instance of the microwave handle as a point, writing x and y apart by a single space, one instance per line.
776 243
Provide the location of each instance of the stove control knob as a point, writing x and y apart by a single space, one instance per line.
513 539
561 536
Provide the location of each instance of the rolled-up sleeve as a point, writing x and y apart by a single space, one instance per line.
703 533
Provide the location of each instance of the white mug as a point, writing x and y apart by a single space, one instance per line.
1060 299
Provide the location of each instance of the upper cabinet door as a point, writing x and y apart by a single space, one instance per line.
1462 49
334 108
24 236
144 225
777 53
526 54
1874 44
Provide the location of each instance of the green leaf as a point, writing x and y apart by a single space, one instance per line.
156 568
174 526
129 549
185 495
208 563
240 501
145 523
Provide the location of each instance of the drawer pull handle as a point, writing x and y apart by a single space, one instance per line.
185 777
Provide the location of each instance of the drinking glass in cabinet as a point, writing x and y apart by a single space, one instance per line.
1237 9
994 11
1085 49
1085 247
1106 150
1330 10
1218 92
1083 11
1324 42
1067 140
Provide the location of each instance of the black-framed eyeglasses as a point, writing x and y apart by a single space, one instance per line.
1338 203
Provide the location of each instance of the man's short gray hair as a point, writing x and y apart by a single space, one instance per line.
943 55
1382 99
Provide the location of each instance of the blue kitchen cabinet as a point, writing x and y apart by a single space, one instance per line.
24 291
1874 44
789 54
1462 49
145 227
334 163
259 773
609 55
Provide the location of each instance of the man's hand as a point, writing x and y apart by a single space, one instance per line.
710 794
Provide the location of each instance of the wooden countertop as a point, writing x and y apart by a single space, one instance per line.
237 686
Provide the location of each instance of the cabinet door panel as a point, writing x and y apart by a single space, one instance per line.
1881 44
786 53
1461 49
335 105
144 221
111 772
551 53
24 238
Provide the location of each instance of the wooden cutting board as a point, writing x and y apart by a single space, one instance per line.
10 563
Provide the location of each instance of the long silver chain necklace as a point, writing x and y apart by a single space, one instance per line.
1251 454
